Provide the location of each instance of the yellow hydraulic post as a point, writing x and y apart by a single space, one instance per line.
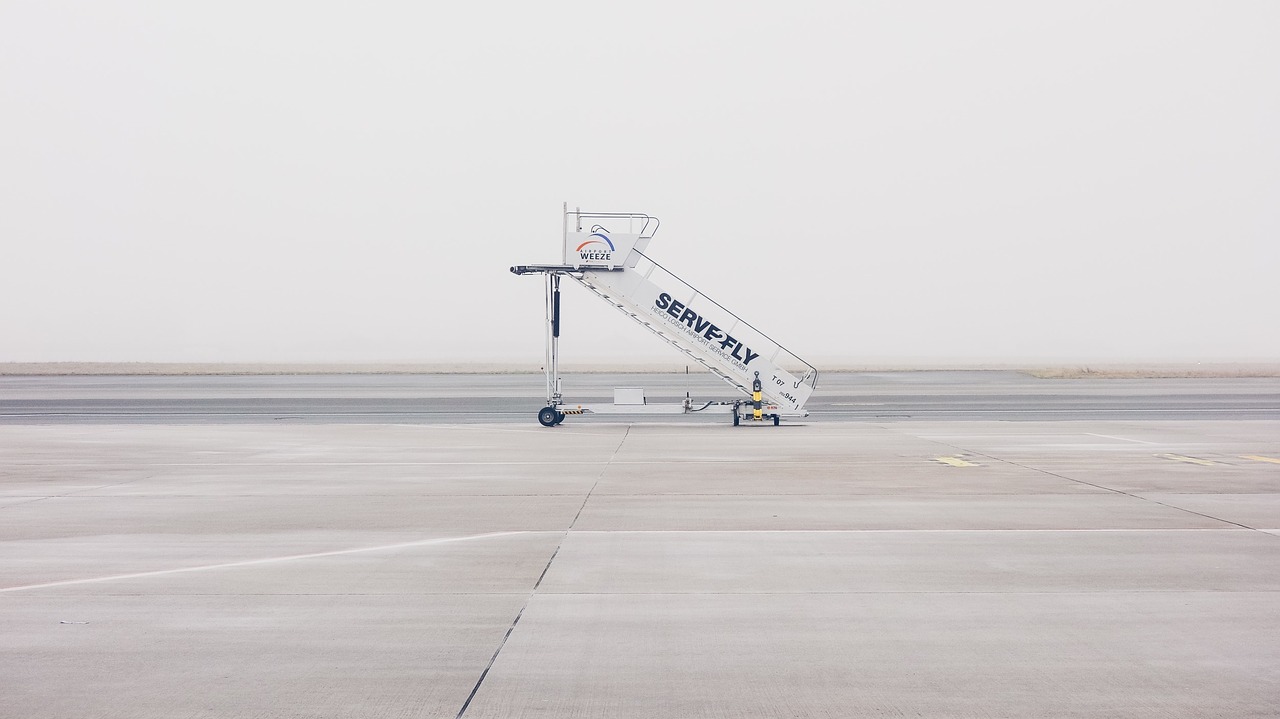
756 413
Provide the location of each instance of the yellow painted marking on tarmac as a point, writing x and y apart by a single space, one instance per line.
1259 458
1188 460
955 462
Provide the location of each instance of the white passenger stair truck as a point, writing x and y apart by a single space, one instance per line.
613 265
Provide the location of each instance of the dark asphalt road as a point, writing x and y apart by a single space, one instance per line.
433 399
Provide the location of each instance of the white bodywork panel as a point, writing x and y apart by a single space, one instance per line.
702 329
603 248
628 395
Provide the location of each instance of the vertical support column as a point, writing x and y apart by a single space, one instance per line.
548 364
554 317
756 412
553 314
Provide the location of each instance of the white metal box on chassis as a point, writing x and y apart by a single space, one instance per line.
601 248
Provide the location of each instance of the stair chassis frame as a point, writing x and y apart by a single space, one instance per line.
555 410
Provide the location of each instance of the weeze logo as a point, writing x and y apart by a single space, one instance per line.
594 250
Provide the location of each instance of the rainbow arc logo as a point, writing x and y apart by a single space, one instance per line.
594 249
604 240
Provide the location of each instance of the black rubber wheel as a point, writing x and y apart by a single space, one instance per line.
776 419
547 416
736 419
559 417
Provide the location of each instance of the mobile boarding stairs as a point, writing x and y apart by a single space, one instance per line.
614 266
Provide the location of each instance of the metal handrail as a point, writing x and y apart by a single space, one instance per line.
811 373
644 229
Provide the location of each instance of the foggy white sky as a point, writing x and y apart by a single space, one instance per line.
267 181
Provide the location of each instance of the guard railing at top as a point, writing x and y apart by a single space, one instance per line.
648 223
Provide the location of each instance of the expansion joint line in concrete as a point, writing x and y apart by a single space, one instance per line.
493 659
597 482
79 491
1104 488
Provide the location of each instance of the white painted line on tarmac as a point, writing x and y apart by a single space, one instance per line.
1001 434
1187 460
344 464
1125 439
254 562
899 413
579 431
557 463
1043 530
946 413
